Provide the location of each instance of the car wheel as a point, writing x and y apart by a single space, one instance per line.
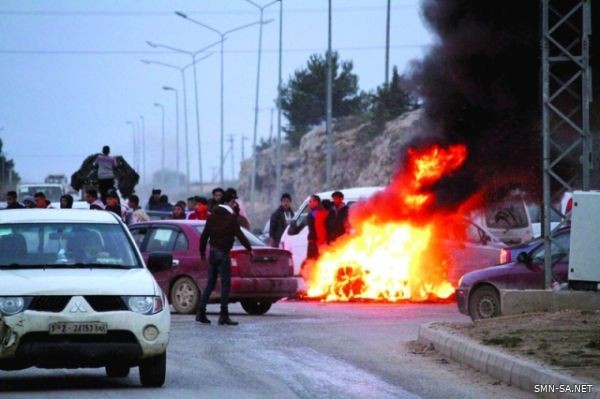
153 371
184 295
484 303
117 371
256 308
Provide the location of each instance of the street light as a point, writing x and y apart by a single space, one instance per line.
162 152
185 118
192 54
135 153
222 34
143 139
279 87
168 88
254 136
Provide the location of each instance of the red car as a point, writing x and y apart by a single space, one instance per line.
255 282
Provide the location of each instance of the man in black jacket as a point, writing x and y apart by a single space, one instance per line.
280 219
221 229
337 220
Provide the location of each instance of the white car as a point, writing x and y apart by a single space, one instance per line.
75 292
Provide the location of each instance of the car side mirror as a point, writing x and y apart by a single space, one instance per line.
159 261
524 257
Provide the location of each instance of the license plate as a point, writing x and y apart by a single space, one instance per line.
78 328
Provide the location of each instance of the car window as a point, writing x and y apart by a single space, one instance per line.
302 214
474 233
254 240
507 215
161 240
559 248
138 236
181 243
64 244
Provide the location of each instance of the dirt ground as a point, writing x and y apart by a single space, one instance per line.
568 341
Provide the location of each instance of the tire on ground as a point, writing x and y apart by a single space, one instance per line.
484 303
153 371
184 295
256 307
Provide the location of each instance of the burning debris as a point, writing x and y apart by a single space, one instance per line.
395 252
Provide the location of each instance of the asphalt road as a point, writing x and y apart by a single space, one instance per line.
297 350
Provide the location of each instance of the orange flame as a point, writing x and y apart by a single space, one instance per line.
393 253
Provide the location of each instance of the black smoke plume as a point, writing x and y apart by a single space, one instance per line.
481 86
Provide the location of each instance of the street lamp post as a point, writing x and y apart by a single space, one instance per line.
162 150
176 125
255 132
328 163
279 87
192 54
143 140
185 118
222 34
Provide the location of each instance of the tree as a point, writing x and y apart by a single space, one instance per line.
8 177
303 98
391 100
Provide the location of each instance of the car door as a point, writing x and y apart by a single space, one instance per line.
531 276
297 242
162 239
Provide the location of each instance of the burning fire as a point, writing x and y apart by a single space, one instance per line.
394 252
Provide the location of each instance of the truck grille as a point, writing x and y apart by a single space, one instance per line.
49 303
106 303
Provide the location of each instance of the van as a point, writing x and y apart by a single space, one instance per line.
508 220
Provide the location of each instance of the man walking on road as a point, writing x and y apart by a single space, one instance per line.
280 219
221 229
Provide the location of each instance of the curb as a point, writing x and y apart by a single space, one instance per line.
507 368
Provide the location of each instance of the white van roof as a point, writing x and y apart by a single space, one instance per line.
352 193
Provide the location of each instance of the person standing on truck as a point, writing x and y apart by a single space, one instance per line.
221 229
106 172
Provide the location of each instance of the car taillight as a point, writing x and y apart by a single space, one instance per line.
234 267
504 255
291 265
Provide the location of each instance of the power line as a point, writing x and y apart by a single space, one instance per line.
235 51
143 13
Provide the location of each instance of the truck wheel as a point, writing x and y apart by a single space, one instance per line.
117 371
484 303
153 371
184 295
256 308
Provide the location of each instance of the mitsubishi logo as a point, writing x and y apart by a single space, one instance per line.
78 307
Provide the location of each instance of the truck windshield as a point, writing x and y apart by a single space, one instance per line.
52 193
26 245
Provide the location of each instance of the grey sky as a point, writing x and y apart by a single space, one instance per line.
56 108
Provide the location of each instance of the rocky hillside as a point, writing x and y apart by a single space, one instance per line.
363 156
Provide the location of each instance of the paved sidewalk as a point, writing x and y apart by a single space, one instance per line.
508 368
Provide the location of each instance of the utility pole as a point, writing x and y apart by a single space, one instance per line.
231 140
244 138
329 100
387 44
279 85
271 126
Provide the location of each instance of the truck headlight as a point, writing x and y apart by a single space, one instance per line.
144 304
11 305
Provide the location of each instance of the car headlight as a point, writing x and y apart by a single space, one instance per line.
144 304
11 305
